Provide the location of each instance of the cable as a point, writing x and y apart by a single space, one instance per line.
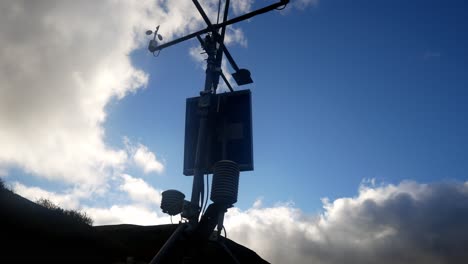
207 192
171 220
225 233
202 195
202 199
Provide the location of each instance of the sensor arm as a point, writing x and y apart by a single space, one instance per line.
220 38
255 13
226 23
226 82
203 14
230 58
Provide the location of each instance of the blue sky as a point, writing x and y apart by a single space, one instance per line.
360 102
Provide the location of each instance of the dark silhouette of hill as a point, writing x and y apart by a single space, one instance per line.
143 242
34 233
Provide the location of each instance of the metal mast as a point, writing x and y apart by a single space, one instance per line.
213 44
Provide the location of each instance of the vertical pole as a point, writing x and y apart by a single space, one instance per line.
204 104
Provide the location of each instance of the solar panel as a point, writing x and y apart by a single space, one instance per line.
229 133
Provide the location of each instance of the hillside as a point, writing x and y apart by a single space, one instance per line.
33 233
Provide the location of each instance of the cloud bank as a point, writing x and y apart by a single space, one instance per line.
404 223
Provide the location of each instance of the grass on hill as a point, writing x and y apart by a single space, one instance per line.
75 215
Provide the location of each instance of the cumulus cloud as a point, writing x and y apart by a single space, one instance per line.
128 214
61 63
405 223
146 160
235 35
240 7
143 157
141 209
140 191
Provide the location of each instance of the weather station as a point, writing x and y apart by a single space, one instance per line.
218 141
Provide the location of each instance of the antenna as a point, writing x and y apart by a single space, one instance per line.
206 149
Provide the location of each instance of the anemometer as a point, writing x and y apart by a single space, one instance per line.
153 44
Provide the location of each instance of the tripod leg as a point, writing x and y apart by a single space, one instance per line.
168 245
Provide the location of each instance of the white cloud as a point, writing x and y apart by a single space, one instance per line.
142 157
61 63
405 223
235 35
142 209
239 7
140 191
69 199
258 203
146 160
128 214
196 53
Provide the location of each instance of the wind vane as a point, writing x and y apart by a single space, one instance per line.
218 137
